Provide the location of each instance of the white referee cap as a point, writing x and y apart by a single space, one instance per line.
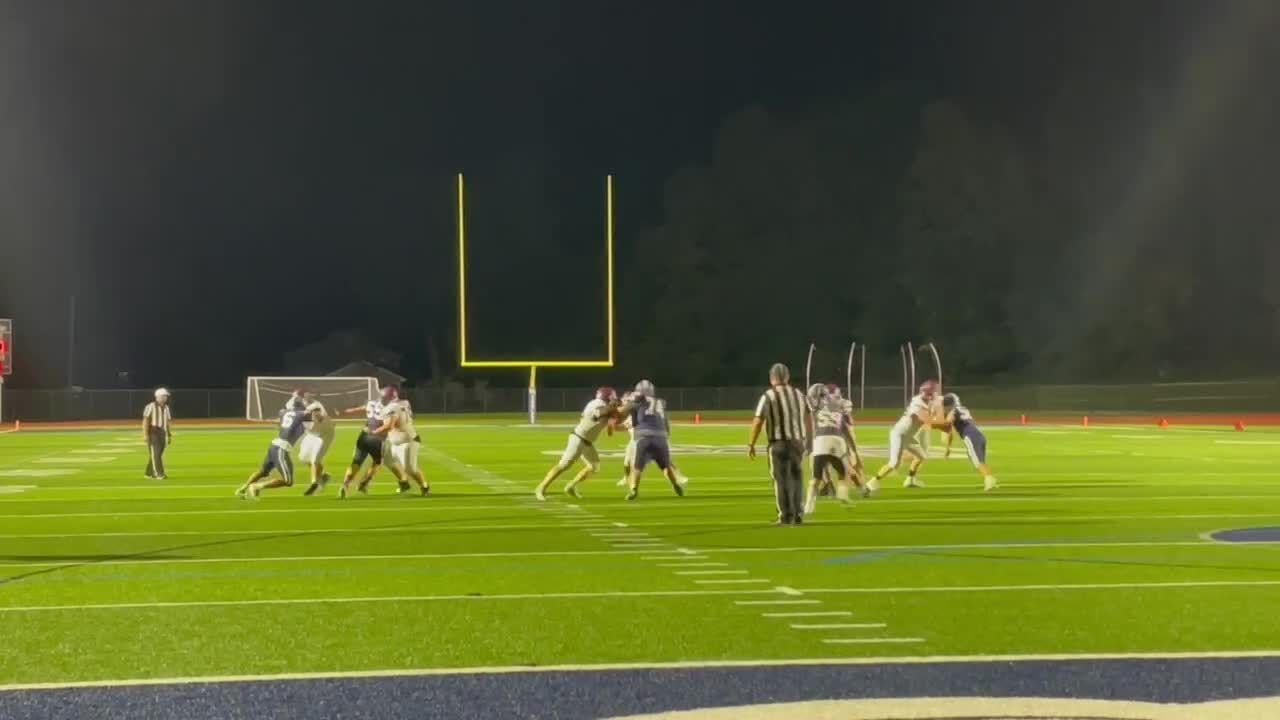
162 392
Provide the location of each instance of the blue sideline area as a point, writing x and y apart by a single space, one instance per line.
595 694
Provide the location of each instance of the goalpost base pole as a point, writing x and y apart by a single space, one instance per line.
533 394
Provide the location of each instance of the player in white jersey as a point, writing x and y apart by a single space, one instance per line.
628 455
905 437
596 416
405 442
316 442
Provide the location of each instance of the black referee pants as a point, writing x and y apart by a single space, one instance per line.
157 441
786 463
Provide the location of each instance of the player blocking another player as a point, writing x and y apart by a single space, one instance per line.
369 446
278 458
405 443
596 416
652 432
959 421
905 437
317 439
833 444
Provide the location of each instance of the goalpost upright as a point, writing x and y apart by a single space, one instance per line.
466 361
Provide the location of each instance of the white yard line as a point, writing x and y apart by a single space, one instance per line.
836 626
872 641
379 599
670 557
711 572
780 602
746 581
1045 587
695 565
817 613
958 520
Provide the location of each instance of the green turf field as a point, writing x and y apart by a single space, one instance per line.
1094 544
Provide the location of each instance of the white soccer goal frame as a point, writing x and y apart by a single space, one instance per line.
253 392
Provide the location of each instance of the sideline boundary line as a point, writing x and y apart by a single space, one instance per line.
679 665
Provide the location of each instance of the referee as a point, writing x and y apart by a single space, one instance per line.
782 411
157 430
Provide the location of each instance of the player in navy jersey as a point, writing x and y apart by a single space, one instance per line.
959 421
652 431
370 445
292 426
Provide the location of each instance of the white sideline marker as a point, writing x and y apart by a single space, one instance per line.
686 551
788 590
693 565
619 524
836 626
732 582
819 613
712 572
871 641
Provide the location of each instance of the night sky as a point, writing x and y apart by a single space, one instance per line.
221 182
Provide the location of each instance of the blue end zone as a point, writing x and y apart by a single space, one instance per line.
1248 535
593 694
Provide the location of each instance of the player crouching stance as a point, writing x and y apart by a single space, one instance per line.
958 421
905 437
405 442
278 454
833 444
596 416
315 443
652 432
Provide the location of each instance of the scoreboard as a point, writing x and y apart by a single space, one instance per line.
6 347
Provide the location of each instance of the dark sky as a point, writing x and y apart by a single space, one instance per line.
221 182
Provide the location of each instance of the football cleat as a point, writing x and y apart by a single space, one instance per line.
538 494
572 492
912 482
311 489
990 483
633 494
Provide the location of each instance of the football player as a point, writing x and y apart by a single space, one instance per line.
405 443
834 447
905 437
959 421
292 421
652 433
320 431
596 416
370 445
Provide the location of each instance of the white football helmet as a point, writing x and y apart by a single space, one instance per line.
645 388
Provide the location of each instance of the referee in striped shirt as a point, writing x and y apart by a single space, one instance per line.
783 413
157 430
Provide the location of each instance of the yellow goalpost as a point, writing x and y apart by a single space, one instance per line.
467 361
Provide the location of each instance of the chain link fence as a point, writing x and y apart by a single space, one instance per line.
1244 396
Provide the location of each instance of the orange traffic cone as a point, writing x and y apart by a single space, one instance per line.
1084 421
697 418
1239 426
1023 420
1164 423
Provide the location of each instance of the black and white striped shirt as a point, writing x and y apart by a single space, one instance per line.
157 416
783 409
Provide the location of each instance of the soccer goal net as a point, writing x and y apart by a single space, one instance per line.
265 396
